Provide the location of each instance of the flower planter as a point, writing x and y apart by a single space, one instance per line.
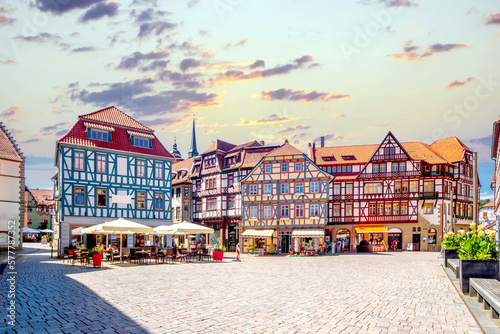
449 254
477 269
96 260
217 255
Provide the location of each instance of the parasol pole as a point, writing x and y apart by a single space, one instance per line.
121 241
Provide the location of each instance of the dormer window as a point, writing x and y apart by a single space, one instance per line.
348 157
141 142
99 135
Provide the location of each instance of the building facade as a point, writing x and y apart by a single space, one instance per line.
40 208
12 185
402 194
110 166
487 215
182 191
285 201
216 193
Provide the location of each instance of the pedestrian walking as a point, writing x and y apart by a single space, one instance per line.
394 244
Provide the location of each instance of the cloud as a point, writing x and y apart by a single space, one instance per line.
240 43
133 95
193 3
272 119
168 122
7 61
300 95
84 49
338 116
188 63
180 79
11 112
5 20
297 128
236 75
331 136
99 11
148 28
203 32
32 140
132 61
191 49
458 83
57 127
40 38
398 3
412 52
147 15
493 19
153 66
258 63
61 7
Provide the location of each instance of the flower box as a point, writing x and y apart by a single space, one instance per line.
477 269
449 254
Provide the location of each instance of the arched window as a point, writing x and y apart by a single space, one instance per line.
418 229
414 229
432 236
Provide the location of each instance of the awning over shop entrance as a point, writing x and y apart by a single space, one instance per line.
258 233
371 229
314 233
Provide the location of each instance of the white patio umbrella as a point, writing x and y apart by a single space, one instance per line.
182 228
47 231
119 226
30 230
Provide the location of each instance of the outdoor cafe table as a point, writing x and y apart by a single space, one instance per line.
142 256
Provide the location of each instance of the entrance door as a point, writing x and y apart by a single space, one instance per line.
416 242
397 238
285 243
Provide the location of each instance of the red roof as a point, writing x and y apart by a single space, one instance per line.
77 135
8 147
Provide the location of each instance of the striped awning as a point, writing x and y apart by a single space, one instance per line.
140 134
258 233
98 126
308 233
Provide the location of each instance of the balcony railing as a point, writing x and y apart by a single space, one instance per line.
387 157
381 219
428 195
388 175
337 220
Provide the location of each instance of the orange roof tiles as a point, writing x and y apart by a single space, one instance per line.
42 196
186 165
451 148
113 115
421 152
8 146
285 149
361 153
219 145
489 204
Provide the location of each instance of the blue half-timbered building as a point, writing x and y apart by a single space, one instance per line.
110 166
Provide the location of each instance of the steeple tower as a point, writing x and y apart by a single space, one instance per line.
193 151
175 151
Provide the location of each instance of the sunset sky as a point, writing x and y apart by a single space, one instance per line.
267 70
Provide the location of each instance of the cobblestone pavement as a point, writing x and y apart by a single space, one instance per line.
350 293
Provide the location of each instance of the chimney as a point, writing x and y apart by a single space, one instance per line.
262 143
322 139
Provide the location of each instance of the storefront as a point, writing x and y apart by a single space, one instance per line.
258 240
307 240
344 236
395 235
371 239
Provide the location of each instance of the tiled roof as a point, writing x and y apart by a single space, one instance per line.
361 153
285 149
120 137
114 116
451 148
42 196
422 152
186 165
8 146
140 134
219 145
251 158
98 126
252 143
489 204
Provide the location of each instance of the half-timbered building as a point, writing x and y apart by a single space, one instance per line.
182 190
395 194
216 193
285 199
110 166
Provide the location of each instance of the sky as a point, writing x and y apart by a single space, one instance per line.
267 70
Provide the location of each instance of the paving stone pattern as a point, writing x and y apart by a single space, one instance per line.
350 293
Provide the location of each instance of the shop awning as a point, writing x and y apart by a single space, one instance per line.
308 233
371 229
258 233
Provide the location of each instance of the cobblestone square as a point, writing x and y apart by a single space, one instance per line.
351 293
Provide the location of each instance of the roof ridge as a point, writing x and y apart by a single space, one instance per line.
86 116
11 140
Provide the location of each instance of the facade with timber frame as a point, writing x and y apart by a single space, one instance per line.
285 202
394 194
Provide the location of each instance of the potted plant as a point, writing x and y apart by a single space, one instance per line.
96 256
451 243
251 249
218 252
478 255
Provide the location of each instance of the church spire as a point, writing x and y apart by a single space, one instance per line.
193 151
175 151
